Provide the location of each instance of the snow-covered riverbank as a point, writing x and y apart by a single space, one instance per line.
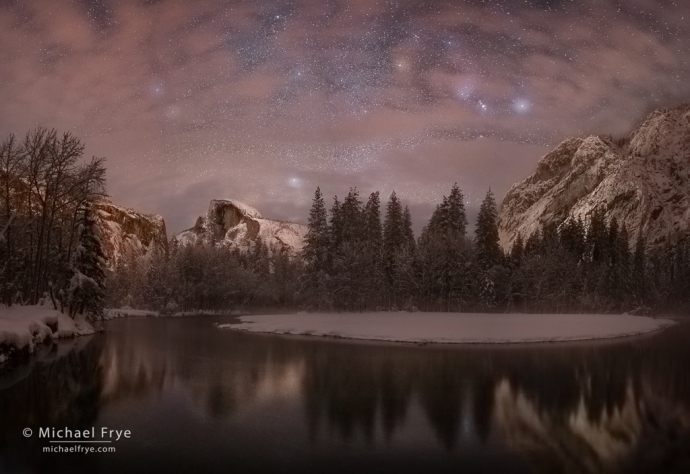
454 328
24 328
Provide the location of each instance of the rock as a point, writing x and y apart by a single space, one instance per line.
128 232
643 181
237 225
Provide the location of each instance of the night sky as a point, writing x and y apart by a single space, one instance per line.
263 101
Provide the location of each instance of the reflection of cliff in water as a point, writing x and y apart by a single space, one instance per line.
594 408
622 407
222 373
591 408
625 408
352 388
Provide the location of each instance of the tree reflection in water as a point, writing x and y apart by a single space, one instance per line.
620 406
58 387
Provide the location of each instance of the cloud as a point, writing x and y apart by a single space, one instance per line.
190 99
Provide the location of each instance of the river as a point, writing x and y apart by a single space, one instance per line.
199 399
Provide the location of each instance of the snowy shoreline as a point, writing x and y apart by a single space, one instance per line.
24 328
453 328
127 312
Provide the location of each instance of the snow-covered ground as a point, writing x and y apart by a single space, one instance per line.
23 328
127 312
455 328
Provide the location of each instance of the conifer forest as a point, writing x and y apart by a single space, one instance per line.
364 256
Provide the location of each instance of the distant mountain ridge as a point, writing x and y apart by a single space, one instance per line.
235 224
643 181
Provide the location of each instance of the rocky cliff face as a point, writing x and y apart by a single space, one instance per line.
643 181
237 225
127 232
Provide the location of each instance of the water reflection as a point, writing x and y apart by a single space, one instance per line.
597 408
60 386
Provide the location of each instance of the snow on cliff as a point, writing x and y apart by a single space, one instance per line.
237 225
643 181
128 232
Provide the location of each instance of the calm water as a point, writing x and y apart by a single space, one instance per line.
198 398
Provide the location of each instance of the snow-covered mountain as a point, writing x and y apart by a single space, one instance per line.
237 225
128 232
643 181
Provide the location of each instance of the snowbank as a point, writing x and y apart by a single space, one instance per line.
127 312
457 328
23 328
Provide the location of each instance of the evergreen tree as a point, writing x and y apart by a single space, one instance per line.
260 258
374 276
372 218
550 240
613 242
393 227
446 255
517 250
572 237
533 246
639 270
407 228
393 243
487 248
335 227
315 251
597 238
624 263
86 293
350 261
615 265
315 254
456 218
352 217
449 217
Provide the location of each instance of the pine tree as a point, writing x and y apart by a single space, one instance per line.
260 258
445 255
597 237
487 248
315 251
533 246
393 226
449 217
407 228
623 263
352 217
572 237
517 250
335 227
374 276
86 294
349 256
314 284
456 218
393 242
639 270
372 218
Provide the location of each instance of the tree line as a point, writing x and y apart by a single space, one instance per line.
563 267
356 255
192 278
49 241
358 258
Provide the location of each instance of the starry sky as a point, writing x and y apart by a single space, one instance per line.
262 101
